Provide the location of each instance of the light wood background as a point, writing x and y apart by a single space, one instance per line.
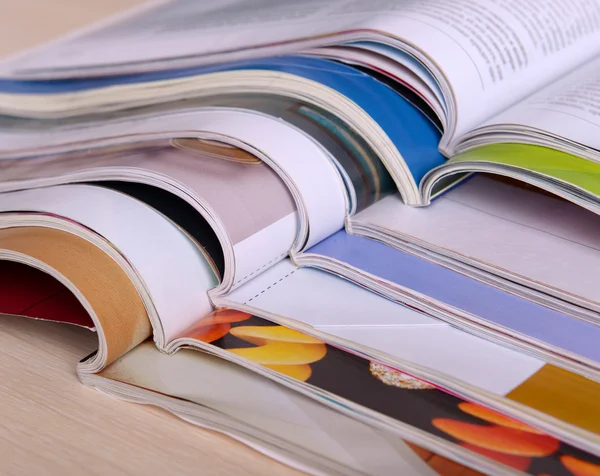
50 424
29 23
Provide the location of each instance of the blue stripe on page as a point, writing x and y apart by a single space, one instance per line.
415 137
453 288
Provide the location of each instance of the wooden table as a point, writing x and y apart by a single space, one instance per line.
29 23
49 422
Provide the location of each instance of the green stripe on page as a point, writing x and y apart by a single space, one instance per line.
577 171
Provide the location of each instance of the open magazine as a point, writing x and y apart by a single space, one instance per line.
383 409
258 209
493 72
281 423
165 259
333 181
394 93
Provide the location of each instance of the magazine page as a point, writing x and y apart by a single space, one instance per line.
245 198
302 422
308 184
363 173
390 124
460 300
518 49
166 263
30 292
99 282
492 52
319 301
247 201
565 175
338 311
280 417
165 374
379 392
415 83
212 178
521 234
567 110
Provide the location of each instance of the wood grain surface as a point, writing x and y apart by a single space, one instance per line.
29 23
51 424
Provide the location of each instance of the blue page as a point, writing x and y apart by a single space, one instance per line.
415 137
453 288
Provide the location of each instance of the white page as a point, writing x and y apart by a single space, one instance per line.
264 248
449 351
359 304
236 199
569 109
387 59
267 407
312 178
344 310
493 52
173 269
540 240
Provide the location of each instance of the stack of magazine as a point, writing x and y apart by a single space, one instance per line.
360 237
